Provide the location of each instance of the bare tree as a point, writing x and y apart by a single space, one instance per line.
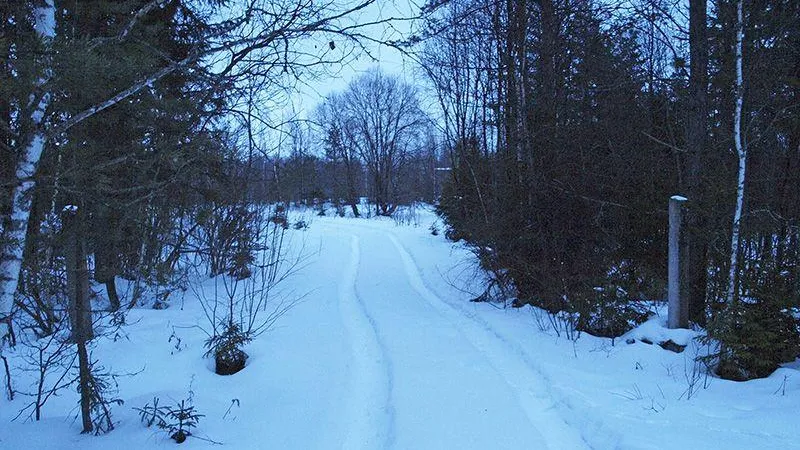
382 122
339 151
457 57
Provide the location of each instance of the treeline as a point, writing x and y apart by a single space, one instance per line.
130 150
570 123
372 140
316 167
145 175
149 117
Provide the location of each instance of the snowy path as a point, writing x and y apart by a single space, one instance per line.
384 353
425 376
368 406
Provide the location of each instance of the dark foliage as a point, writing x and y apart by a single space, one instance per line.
226 348
568 133
755 339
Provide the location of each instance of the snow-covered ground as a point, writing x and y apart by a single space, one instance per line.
386 351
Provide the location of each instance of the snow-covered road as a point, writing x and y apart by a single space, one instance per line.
386 352
422 374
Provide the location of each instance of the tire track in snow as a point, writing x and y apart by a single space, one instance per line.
540 405
368 412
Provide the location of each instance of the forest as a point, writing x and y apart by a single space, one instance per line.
146 150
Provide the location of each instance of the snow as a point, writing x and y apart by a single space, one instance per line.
45 20
679 198
655 331
38 114
386 351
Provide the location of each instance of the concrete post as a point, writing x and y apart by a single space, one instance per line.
678 312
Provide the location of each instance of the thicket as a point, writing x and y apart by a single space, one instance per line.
146 122
567 124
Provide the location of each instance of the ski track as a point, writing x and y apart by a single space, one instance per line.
430 407
549 409
539 405
368 412
594 433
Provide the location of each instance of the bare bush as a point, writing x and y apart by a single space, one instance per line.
239 309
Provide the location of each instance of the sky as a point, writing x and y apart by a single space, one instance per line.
388 59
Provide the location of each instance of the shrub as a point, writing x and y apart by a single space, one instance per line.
247 307
178 420
229 358
755 338
607 312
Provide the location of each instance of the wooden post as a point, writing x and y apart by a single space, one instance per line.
678 312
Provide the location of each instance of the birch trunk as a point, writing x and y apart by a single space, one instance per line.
741 152
13 238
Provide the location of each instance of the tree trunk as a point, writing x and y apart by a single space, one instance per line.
12 242
350 177
678 316
113 296
84 378
741 152
695 249
354 207
106 256
80 311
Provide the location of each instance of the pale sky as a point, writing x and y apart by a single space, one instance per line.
388 59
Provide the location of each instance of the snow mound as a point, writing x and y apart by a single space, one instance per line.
655 331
